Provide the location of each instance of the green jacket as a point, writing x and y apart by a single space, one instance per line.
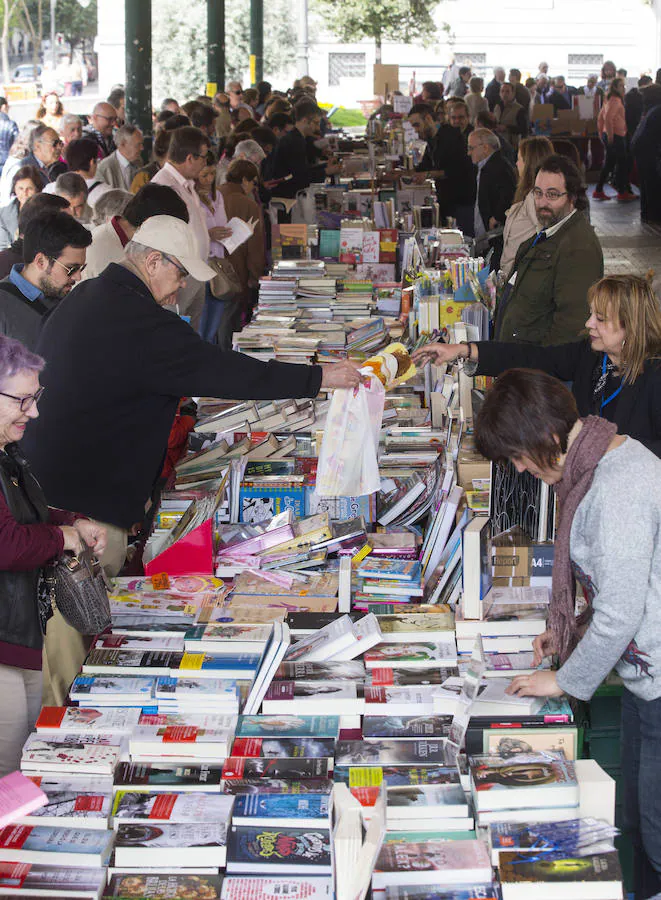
548 302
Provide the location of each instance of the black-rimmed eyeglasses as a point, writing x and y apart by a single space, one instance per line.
25 402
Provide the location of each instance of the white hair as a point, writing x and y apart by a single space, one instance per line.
249 150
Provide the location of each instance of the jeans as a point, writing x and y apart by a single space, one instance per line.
641 777
616 160
216 321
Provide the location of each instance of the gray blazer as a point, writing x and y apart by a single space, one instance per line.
110 171
8 223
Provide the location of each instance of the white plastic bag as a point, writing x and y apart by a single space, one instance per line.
348 465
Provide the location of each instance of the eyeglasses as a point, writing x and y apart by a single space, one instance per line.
107 118
238 93
70 270
173 262
57 143
551 194
25 402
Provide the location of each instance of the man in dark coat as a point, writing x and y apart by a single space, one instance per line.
495 188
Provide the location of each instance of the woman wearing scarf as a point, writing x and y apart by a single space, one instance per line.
609 498
615 371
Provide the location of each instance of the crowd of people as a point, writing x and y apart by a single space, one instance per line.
92 378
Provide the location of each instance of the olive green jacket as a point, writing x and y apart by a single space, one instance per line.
548 302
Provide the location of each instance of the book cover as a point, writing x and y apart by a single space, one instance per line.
283 847
22 878
390 753
449 861
243 887
18 843
74 719
49 756
396 569
458 892
352 671
183 836
395 776
412 654
180 778
141 806
174 886
406 726
282 806
599 869
288 726
241 767
85 802
279 748
439 800
262 786
529 780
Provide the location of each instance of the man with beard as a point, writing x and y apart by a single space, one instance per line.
545 301
54 247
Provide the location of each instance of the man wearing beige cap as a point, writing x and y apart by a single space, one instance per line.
117 363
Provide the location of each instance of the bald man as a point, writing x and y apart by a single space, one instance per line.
101 124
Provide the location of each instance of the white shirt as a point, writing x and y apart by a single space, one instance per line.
185 187
127 169
558 225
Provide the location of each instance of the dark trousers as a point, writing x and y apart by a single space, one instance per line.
616 160
641 777
218 320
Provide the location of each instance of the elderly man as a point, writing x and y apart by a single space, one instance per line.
134 361
102 121
73 189
235 92
492 90
45 146
118 170
495 188
512 118
71 128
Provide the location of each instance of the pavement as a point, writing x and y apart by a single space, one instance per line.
630 247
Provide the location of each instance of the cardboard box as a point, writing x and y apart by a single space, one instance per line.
470 466
386 78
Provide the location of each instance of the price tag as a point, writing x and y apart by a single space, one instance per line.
161 582
364 551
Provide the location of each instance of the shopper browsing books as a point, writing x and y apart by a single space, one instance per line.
31 535
615 372
609 490
106 416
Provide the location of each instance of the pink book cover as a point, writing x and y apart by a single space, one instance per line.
19 796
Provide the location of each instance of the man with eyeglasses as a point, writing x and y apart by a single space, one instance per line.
545 301
100 128
45 147
187 155
53 258
494 190
235 93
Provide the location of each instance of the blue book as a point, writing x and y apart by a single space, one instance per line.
259 502
268 849
301 810
288 726
239 665
396 569
55 846
456 892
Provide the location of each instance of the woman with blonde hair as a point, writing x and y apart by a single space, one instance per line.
615 370
522 222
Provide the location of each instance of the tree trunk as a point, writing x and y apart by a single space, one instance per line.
377 41
4 41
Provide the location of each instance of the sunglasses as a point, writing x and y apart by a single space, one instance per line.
70 270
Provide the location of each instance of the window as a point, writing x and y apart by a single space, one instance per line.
594 60
345 65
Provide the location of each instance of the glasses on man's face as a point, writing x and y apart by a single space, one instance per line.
70 270
107 118
551 194
57 143
173 262
25 402
238 93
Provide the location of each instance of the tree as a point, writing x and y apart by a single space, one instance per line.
404 21
179 45
75 23
8 11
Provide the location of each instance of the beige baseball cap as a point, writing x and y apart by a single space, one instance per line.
177 239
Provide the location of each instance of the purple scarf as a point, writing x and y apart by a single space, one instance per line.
582 459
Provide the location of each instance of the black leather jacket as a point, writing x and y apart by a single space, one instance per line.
19 612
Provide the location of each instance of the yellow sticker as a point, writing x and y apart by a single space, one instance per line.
192 661
190 609
365 776
364 551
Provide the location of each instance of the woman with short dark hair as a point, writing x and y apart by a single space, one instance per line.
31 535
609 492
25 184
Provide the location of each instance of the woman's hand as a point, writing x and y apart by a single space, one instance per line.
72 539
438 353
93 534
539 684
543 645
343 374
219 233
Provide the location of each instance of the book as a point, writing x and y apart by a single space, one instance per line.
288 726
83 720
412 655
327 698
393 776
477 577
118 690
436 802
432 863
272 656
163 886
279 748
597 877
143 846
530 781
19 796
23 879
406 570
149 776
246 887
458 892
42 755
131 642
71 803
280 810
323 644
290 849
352 671
218 637
55 846
390 753
118 662
407 628
244 767
406 726
217 665
262 786
168 741
135 807
575 837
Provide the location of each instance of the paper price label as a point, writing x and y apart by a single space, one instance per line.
161 581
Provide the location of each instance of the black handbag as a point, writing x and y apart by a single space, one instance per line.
78 587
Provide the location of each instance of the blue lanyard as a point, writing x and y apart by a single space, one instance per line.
615 393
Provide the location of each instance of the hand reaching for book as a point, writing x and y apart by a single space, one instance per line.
343 374
438 353
539 684
543 645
